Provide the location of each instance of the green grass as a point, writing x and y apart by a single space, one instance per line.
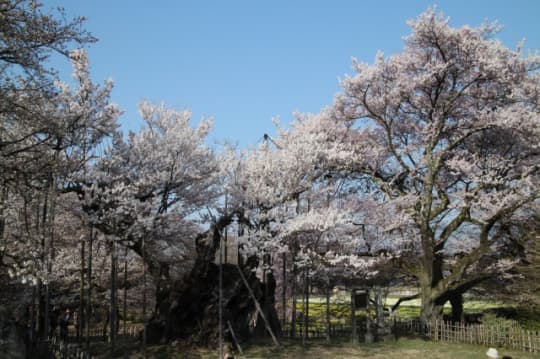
401 349
529 317
404 348
340 307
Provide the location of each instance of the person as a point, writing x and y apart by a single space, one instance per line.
492 353
64 323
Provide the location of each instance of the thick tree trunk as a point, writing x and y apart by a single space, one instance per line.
192 308
189 309
432 302
434 294
456 300
430 310
432 306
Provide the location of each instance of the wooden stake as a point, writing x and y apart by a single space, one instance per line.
236 342
258 306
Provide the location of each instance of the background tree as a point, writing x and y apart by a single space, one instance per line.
451 141
47 133
299 197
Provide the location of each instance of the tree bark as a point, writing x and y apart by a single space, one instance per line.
431 275
456 300
189 307
431 309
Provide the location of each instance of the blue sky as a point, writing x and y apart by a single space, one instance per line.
244 62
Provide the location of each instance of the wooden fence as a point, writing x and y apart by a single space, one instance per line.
63 350
510 336
319 332
131 330
67 349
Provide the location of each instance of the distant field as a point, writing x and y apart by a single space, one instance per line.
340 309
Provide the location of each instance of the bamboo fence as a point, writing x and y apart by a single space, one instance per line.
508 335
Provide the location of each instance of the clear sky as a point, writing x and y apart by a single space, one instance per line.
244 62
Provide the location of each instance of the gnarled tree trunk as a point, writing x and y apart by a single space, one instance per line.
188 310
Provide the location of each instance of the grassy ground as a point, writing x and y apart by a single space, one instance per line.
401 349
529 318
340 312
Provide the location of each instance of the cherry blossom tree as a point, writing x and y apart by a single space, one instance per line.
155 183
79 120
451 129
27 85
149 192
48 133
298 198
47 129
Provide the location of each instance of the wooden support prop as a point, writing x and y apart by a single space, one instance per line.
236 342
258 306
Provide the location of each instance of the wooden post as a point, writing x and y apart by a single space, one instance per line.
293 314
354 339
220 302
237 343
226 237
284 292
306 306
258 306
33 317
89 295
80 319
379 312
369 335
144 296
113 304
125 288
328 310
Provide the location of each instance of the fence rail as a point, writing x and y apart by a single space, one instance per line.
131 330
510 336
319 331
62 350
67 349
